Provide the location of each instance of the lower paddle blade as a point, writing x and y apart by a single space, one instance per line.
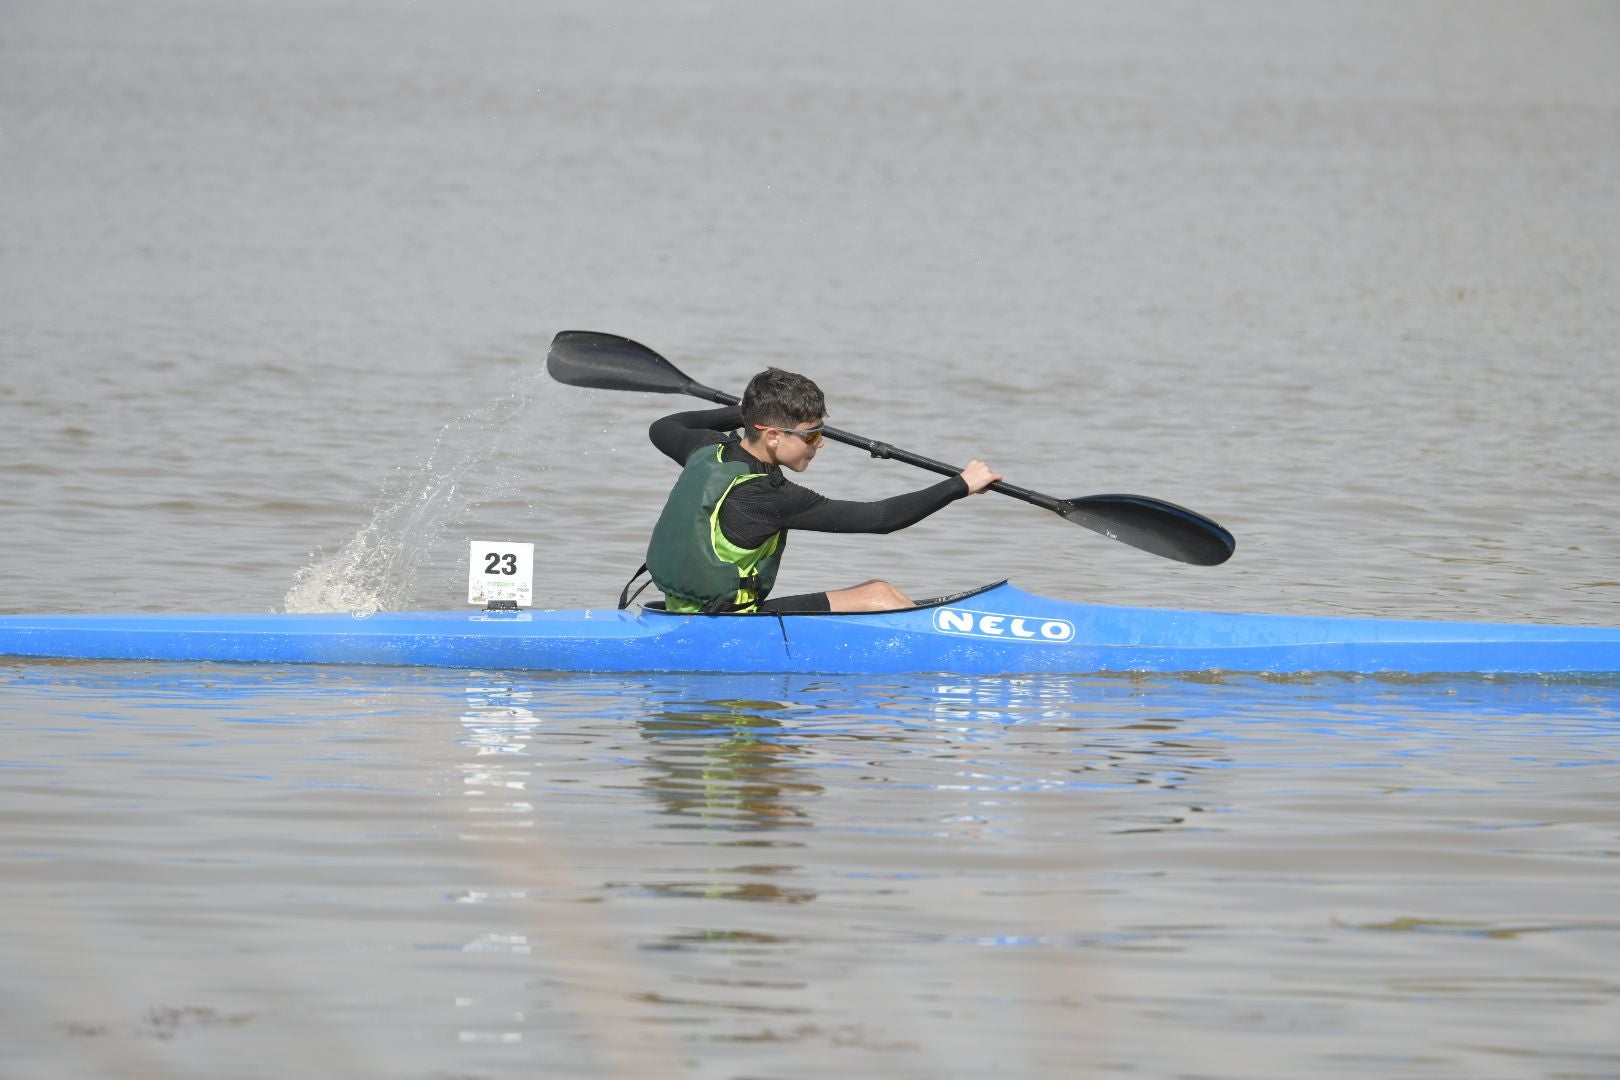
610 362
1152 525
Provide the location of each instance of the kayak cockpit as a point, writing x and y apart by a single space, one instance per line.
656 607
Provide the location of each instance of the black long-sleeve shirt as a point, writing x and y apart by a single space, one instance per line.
754 511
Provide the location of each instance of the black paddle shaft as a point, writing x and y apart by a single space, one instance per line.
610 362
894 453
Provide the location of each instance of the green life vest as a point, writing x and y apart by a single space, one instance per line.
691 560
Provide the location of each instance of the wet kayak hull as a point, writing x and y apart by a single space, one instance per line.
998 630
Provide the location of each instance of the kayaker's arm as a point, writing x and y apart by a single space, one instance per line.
881 516
754 511
681 435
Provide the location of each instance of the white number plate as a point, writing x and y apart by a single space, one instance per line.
500 571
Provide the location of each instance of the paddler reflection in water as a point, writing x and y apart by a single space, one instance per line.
719 540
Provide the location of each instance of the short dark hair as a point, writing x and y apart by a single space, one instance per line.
778 398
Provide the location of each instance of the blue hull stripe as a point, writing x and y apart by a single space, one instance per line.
999 630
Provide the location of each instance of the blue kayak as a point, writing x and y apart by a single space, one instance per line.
996 630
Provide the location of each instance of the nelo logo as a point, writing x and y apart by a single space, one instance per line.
987 624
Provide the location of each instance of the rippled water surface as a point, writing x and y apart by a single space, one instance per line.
278 282
271 872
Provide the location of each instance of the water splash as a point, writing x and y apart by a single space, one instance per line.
468 464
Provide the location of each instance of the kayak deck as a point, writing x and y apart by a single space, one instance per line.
997 630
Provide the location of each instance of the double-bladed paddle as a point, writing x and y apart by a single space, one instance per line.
610 362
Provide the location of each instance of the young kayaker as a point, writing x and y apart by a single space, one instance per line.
719 540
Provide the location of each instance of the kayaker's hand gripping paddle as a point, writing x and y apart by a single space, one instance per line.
610 362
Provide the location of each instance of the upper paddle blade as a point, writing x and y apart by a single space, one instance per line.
610 362
1152 525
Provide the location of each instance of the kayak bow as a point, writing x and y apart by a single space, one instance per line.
996 630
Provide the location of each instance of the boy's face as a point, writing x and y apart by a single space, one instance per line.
794 447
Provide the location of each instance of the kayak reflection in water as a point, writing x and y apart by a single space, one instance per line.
719 541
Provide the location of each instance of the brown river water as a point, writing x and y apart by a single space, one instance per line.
278 283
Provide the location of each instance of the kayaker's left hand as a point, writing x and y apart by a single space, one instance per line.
978 476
